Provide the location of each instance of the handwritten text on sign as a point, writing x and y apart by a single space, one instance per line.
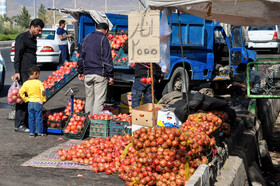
143 34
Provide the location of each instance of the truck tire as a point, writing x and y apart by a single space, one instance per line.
176 81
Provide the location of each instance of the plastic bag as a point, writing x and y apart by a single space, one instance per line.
165 32
13 93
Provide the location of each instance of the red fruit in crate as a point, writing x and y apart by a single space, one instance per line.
110 36
144 80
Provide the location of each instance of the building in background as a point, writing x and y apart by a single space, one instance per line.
3 7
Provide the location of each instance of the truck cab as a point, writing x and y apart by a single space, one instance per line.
209 54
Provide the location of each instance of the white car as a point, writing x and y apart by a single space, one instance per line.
47 47
264 38
3 69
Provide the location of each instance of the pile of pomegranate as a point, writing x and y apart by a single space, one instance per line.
156 156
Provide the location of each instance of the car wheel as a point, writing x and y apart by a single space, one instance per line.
276 50
177 83
2 81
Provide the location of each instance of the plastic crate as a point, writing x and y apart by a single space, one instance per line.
119 128
66 78
81 133
70 75
51 91
99 128
55 124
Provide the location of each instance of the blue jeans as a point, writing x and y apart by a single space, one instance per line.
64 53
138 88
35 117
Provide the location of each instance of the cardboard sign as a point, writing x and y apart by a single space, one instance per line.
143 34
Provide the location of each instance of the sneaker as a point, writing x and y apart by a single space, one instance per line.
43 135
32 135
22 129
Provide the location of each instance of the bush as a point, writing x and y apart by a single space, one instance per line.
4 37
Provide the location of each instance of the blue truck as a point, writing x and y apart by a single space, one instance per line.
210 56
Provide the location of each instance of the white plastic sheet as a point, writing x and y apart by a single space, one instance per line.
165 32
235 12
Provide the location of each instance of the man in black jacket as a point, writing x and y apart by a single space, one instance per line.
25 56
95 68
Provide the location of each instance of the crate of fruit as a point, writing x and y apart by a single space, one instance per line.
79 105
76 126
50 91
55 124
99 128
119 128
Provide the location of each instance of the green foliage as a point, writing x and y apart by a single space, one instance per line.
4 37
42 13
23 19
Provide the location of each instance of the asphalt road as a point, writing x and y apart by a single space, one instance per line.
17 148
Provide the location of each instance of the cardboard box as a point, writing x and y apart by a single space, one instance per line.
167 118
143 114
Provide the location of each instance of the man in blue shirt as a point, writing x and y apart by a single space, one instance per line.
63 44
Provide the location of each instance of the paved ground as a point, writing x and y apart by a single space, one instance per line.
17 148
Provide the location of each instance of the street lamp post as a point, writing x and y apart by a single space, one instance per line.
53 14
34 8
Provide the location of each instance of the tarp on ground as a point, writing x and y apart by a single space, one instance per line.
235 12
97 16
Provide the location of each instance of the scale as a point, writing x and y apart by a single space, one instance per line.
72 91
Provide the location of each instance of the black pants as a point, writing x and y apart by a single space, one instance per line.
238 96
21 116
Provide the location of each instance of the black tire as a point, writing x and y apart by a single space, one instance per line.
277 50
176 82
2 82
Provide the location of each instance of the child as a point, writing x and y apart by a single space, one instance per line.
36 95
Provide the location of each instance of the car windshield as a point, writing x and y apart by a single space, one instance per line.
262 28
47 34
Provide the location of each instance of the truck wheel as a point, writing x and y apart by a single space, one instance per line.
177 83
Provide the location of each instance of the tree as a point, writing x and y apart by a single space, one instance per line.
42 13
23 19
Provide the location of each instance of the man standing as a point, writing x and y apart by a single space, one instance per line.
25 56
95 68
63 44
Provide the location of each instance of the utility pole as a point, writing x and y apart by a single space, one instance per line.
54 22
75 4
106 6
34 8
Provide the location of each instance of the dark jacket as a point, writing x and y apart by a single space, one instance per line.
95 55
25 52
142 70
